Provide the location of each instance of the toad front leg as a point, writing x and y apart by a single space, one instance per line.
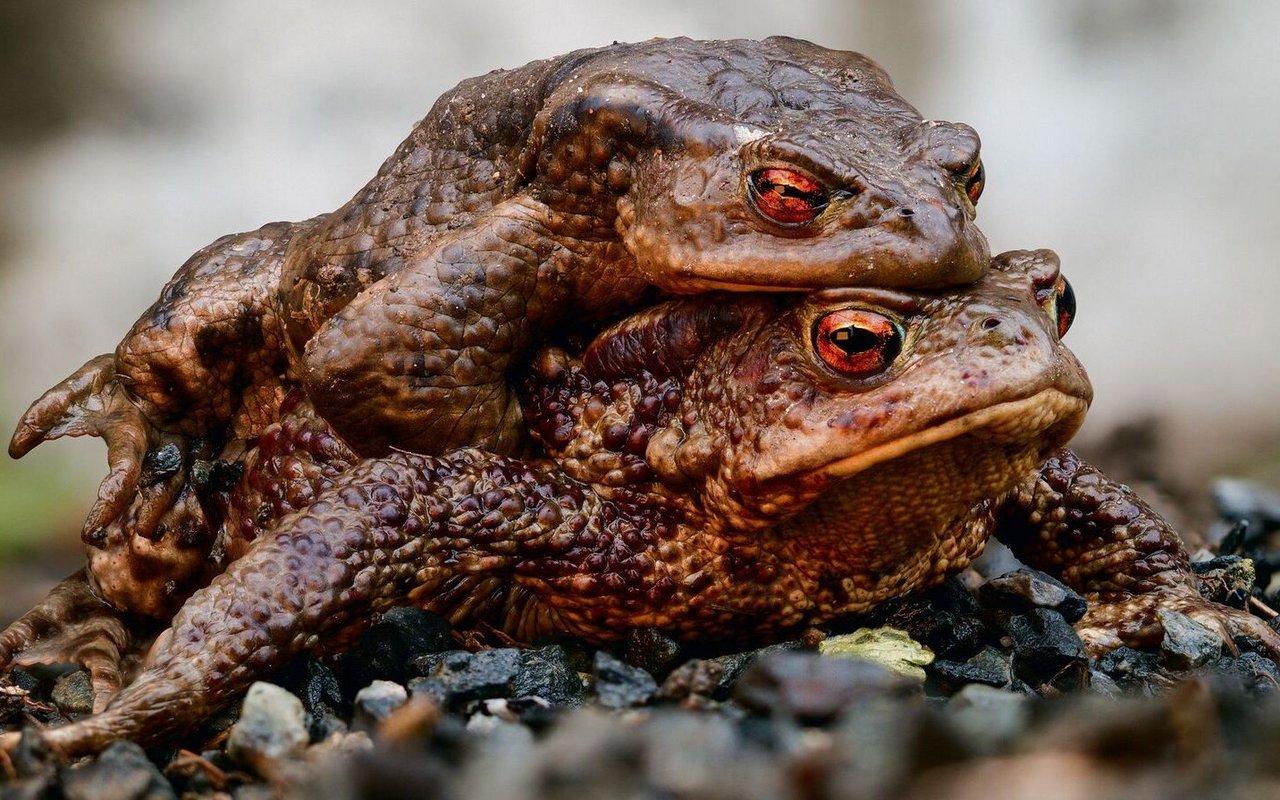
203 358
1105 542
420 359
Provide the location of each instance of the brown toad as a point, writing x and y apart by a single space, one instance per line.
724 468
551 196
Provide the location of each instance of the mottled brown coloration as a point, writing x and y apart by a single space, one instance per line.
742 490
555 195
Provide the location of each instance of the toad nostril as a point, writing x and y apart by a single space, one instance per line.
990 323
905 212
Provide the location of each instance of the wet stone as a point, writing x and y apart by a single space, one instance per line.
1022 590
122 772
1130 667
1186 644
1248 672
458 677
1226 579
732 666
696 677
815 689
988 718
1047 653
990 667
272 724
376 701
547 673
73 693
382 653
315 684
652 651
945 620
620 685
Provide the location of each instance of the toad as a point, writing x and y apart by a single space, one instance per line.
549 197
720 468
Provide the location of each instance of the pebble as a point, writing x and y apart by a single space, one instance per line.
989 667
1022 590
388 646
458 677
376 701
73 693
547 673
272 724
620 685
987 717
1047 653
121 772
652 651
815 689
1186 643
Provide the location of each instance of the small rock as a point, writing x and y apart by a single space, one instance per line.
122 772
652 651
321 694
1186 644
73 693
1024 589
1047 652
989 667
459 677
376 701
620 685
945 619
272 724
1253 672
988 718
891 648
401 636
732 666
547 673
815 689
1226 579
696 677
1132 668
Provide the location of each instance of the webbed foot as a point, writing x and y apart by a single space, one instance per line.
1135 620
147 466
73 625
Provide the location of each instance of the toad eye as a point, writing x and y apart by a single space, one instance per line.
974 181
857 342
1060 303
785 196
1065 305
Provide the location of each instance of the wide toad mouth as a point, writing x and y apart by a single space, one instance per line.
1050 416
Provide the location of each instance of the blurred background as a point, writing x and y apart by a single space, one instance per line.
1138 139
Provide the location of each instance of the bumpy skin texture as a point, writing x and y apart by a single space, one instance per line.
712 475
553 195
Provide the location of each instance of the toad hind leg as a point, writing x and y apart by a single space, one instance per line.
1105 542
394 530
72 625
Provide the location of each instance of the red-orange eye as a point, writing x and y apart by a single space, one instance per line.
975 180
1065 305
857 342
786 196
1059 301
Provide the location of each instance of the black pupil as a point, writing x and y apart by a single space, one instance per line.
1066 302
853 340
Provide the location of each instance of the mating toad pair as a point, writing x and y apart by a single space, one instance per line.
827 392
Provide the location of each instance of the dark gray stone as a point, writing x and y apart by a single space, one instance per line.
1047 652
1186 644
547 673
815 689
122 772
386 650
989 667
620 685
652 651
459 677
1022 590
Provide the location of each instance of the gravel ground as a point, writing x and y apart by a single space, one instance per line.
991 696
